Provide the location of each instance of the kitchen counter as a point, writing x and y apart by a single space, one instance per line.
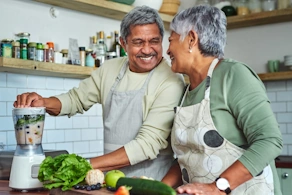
6 190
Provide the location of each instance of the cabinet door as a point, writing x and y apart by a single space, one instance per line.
285 176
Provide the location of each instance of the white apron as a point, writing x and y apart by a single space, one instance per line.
122 121
203 154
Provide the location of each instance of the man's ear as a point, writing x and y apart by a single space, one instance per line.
123 44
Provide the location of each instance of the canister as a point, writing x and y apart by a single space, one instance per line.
31 53
6 48
15 49
23 49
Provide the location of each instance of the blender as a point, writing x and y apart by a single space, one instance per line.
29 154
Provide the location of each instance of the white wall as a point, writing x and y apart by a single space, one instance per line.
82 134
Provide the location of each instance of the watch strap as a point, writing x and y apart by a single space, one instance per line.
227 190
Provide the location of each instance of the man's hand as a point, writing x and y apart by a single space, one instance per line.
29 100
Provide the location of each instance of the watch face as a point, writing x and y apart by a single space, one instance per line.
222 184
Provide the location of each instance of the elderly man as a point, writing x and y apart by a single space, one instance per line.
137 93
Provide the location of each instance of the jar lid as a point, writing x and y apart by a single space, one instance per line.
81 48
64 51
7 40
39 46
32 44
23 34
50 44
45 46
15 43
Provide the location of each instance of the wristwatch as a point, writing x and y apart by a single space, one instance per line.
223 185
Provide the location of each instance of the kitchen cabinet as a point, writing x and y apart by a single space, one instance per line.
285 177
117 11
20 66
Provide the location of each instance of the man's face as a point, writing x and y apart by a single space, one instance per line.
144 47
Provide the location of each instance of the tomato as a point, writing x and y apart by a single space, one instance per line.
123 190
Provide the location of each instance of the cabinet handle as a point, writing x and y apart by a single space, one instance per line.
285 175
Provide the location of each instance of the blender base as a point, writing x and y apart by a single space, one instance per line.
24 172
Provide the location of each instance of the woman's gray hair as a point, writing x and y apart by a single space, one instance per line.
210 25
140 15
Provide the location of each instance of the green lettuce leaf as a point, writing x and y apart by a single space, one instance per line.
65 170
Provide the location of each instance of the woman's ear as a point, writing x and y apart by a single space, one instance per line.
193 38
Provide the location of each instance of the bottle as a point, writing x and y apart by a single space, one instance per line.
82 56
39 52
101 49
23 49
16 49
89 60
117 45
64 56
31 54
51 52
46 52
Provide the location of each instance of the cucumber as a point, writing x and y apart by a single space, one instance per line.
145 186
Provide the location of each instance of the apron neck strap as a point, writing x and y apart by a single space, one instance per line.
209 76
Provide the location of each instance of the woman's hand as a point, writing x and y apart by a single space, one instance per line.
200 189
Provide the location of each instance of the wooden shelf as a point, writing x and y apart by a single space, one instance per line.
30 67
287 75
117 11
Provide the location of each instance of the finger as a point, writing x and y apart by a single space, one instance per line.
30 98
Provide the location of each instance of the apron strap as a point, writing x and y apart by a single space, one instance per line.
209 76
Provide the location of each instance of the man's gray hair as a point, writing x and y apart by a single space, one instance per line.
209 23
140 15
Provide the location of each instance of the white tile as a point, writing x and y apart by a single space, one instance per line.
80 122
287 139
81 147
72 135
47 93
283 128
3 137
63 122
6 123
95 122
289 85
16 80
11 139
284 96
91 112
51 146
21 91
10 107
70 83
2 79
65 146
284 117
55 83
7 94
271 96
96 146
100 133
279 106
276 86
90 155
285 150
289 106
289 128
3 109
36 82
54 136
50 122
88 134
99 109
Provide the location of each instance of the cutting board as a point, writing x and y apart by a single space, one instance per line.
102 191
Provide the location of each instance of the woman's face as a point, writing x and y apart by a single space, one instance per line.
179 53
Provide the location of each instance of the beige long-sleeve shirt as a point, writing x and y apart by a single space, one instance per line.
163 93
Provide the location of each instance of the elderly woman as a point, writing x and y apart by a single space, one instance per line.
225 135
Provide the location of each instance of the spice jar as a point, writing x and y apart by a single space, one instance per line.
50 52
15 49
39 52
242 7
46 52
254 6
64 56
31 54
269 5
23 49
6 48
82 56
22 35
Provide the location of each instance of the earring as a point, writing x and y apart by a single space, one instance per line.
190 50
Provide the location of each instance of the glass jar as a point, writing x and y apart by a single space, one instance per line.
254 6
242 7
15 49
39 52
22 35
31 53
268 5
64 56
23 49
6 48
51 50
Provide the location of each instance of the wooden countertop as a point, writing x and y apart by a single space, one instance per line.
6 190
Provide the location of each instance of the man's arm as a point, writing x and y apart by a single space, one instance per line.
114 160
